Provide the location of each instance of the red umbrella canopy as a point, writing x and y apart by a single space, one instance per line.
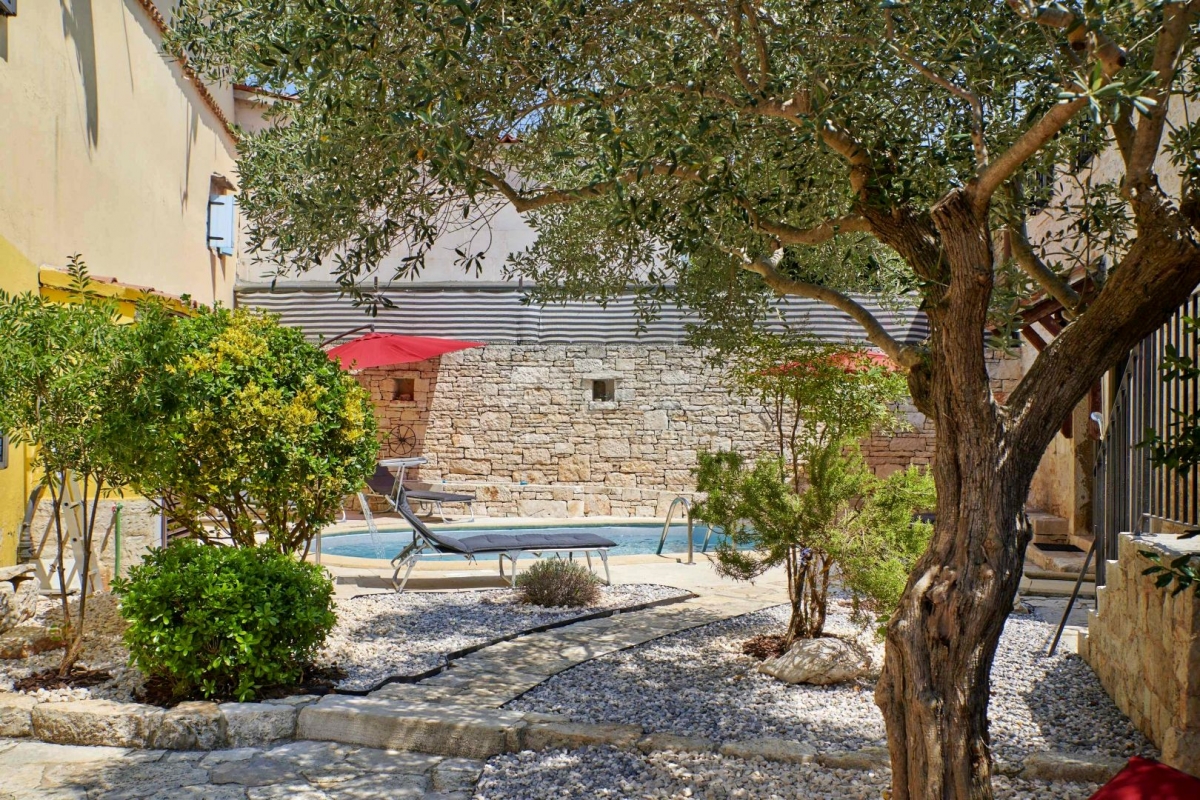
384 349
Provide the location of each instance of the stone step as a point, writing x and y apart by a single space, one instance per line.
392 724
1048 527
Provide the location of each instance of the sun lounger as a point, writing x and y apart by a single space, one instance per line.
383 482
511 546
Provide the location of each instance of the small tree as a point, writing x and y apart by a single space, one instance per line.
260 431
813 505
68 372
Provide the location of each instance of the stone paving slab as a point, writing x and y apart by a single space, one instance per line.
295 771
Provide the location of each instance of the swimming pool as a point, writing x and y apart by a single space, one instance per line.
630 539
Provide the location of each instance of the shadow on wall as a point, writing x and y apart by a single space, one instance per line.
3 38
79 27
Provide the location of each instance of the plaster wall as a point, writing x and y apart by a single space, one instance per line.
108 149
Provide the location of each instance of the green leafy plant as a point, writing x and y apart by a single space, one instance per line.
1178 571
68 373
813 506
224 622
556 583
260 432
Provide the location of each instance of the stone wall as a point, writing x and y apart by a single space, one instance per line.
139 533
1144 645
518 426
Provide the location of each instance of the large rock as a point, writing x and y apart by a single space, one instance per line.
18 596
24 641
96 722
819 661
191 726
257 724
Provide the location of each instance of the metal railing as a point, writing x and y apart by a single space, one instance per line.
1128 488
691 545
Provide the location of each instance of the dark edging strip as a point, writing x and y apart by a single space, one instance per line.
547 626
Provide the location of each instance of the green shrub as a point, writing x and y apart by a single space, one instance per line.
224 622
554 583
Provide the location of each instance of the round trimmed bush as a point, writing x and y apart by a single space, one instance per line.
553 582
224 622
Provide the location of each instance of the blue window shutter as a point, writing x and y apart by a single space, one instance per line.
221 223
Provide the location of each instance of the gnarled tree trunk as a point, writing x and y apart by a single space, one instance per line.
941 642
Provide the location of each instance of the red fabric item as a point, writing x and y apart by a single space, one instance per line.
1147 779
384 349
849 363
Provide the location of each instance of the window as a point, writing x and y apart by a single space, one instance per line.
3 451
221 223
604 390
8 8
403 389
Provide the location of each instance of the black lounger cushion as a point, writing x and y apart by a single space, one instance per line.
500 542
440 497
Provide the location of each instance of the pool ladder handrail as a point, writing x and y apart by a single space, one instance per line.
687 509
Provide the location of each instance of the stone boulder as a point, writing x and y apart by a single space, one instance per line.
96 722
819 661
18 595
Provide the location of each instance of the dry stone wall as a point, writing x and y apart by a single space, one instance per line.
1144 645
518 425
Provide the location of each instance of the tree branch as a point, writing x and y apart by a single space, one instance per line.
977 138
1033 266
768 267
1079 36
1150 127
1027 144
818 234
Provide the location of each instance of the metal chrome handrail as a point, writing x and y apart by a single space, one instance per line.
687 509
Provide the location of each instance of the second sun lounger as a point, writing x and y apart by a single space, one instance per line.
502 545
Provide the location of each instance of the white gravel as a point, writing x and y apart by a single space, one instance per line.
376 636
697 683
595 772
391 635
103 649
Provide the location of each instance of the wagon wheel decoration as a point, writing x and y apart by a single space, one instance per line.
400 441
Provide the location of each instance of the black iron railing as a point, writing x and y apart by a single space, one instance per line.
1129 491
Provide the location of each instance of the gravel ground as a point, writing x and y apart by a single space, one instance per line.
376 637
608 773
697 683
383 635
102 649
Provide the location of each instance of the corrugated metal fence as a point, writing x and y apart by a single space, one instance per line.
496 314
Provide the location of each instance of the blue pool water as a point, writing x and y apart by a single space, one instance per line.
631 539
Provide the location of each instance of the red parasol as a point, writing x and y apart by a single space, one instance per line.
384 349
850 363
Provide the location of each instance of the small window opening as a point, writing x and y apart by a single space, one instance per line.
402 389
604 390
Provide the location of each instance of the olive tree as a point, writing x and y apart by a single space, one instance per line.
805 148
67 373
810 504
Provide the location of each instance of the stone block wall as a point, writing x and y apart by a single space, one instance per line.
139 532
518 426
1144 645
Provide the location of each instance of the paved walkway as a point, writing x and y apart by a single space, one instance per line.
496 675
295 771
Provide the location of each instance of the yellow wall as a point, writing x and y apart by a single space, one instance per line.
107 149
17 274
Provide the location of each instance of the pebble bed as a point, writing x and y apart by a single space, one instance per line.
103 649
698 683
603 772
381 636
